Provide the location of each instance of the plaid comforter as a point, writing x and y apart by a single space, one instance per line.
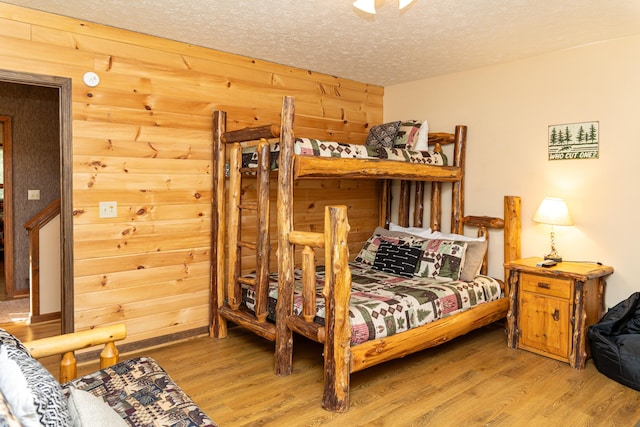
384 304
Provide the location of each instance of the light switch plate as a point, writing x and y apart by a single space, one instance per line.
108 209
33 194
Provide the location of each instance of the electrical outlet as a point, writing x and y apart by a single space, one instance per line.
33 194
108 209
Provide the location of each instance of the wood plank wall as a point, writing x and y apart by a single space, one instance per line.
143 138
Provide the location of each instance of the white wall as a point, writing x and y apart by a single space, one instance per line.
50 286
508 109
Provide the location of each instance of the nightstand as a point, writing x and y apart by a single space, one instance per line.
551 307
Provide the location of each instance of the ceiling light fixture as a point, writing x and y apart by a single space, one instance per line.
369 6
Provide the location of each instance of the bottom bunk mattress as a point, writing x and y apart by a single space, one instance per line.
383 304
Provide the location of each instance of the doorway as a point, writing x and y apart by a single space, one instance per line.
62 89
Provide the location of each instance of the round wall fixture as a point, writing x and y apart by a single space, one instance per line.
91 79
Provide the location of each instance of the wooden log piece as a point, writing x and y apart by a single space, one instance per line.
234 293
307 238
109 355
68 367
442 138
403 203
308 283
311 330
252 134
385 203
436 206
66 344
337 293
75 341
217 324
264 237
284 306
247 320
418 204
347 168
457 193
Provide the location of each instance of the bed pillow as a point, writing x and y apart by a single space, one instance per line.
422 143
48 399
441 259
397 259
88 410
407 136
415 231
476 249
453 236
383 135
367 254
14 387
473 259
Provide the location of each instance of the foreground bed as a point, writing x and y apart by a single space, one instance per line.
342 356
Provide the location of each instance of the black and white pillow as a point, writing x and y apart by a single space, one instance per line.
397 259
49 402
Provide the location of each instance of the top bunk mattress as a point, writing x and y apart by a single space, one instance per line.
321 148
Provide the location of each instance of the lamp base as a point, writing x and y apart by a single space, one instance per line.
553 257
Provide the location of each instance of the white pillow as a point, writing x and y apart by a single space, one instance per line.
15 389
423 138
453 236
416 231
88 410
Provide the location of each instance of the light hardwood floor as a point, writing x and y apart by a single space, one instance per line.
474 380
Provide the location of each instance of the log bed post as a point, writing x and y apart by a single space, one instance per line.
217 324
234 291
263 244
284 306
337 293
457 194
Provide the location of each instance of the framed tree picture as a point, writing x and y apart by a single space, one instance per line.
574 141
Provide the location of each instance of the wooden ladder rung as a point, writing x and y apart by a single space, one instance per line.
248 206
247 281
248 171
248 245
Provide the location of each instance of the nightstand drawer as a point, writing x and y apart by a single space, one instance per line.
546 285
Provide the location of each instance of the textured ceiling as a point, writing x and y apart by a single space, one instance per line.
428 38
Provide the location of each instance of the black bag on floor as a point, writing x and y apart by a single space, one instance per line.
615 342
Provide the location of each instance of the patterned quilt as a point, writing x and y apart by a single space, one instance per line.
383 304
320 148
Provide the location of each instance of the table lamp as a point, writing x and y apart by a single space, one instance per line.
553 211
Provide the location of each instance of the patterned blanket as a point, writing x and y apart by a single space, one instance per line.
383 304
320 148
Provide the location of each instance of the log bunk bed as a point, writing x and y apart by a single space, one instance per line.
341 356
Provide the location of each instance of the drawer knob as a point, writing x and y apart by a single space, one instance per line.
555 314
544 285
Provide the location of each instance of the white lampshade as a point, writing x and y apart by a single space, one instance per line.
553 211
404 3
368 6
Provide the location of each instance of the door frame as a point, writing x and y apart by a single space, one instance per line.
8 205
63 84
